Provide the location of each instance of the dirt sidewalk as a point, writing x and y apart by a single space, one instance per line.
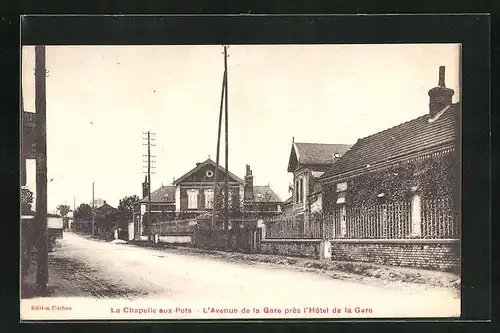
358 271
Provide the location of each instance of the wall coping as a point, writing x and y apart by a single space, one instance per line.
290 240
396 241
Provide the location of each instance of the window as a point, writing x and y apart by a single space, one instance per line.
301 190
342 187
341 192
209 198
297 192
341 197
192 199
343 222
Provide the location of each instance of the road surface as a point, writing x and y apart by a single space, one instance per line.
95 279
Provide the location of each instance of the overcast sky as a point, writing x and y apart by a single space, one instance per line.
100 99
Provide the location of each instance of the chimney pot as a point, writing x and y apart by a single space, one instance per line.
440 96
441 82
248 188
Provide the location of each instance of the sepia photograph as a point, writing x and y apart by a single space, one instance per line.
211 182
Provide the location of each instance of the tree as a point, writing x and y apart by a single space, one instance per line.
26 200
63 210
84 212
126 205
126 208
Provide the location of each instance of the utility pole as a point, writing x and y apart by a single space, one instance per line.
23 138
216 181
42 272
226 208
149 136
93 213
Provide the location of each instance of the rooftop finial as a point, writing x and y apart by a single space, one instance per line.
293 139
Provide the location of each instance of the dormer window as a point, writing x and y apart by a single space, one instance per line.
336 155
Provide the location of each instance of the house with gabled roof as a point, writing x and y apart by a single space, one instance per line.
192 196
307 162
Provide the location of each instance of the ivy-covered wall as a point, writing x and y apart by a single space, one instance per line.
435 177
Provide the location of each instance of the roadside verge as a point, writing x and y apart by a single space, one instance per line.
336 269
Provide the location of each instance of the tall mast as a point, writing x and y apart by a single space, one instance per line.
216 182
226 206
149 185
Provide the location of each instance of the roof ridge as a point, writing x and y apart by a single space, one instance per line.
329 144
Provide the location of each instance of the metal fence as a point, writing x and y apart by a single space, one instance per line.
383 221
437 219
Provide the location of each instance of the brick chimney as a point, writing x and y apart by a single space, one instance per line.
145 189
440 96
248 190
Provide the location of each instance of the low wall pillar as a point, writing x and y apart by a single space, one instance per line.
325 249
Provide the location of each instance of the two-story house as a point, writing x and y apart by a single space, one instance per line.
307 162
192 196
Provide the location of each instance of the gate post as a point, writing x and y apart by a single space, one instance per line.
325 249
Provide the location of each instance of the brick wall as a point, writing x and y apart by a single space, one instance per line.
291 247
441 255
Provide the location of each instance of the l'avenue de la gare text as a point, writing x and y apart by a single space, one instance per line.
245 310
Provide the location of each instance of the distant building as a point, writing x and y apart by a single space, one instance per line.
287 206
99 202
192 195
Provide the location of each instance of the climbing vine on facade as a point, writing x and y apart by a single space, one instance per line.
433 177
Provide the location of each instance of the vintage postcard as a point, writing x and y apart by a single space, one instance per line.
240 182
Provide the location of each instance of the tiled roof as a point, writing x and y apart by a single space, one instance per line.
105 209
266 193
288 201
163 194
413 136
316 153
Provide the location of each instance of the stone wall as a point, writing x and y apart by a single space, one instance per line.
435 254
291 247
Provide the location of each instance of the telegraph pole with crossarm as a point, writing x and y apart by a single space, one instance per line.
149 137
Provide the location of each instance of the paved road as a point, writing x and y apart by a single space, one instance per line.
86 270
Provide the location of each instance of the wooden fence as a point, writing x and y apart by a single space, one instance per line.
438 220
246 240
173 227
293 227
